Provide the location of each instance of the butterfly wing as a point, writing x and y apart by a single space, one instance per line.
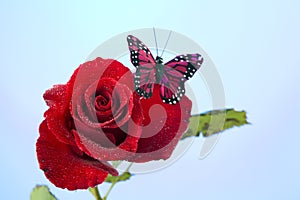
171 86
177 71
144 62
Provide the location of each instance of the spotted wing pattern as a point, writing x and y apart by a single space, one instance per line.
145 64
177 71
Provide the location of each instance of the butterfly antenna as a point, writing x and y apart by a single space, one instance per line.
166 43
155 41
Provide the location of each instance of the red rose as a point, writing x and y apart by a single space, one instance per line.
96 117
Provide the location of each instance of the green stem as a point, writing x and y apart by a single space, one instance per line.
127 170
96 193
109 189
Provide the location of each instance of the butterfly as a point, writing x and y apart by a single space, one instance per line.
171 76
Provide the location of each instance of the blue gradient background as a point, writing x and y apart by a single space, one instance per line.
254 44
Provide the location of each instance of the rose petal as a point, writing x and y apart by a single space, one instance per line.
84 83
85 121
54 97
64 167
94 91
162 144
58 118
95 70
98 145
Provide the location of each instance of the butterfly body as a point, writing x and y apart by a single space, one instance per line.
170 76
160 69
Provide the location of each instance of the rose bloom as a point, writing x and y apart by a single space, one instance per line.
97 117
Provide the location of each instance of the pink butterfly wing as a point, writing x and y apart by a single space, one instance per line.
139 53
177 71
144 62
171 87
186 64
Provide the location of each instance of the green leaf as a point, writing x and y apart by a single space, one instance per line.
215 121
41 192
123 177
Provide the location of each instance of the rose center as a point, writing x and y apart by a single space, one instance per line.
102 102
